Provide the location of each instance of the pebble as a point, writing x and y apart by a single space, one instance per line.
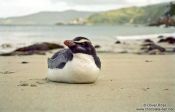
24 62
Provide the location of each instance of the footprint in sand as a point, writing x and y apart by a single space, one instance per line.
40 81
27 84
33 82
33 85
23 84
148 60
145 89
6 72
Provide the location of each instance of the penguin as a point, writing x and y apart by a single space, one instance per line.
78 63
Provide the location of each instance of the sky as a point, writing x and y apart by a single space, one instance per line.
9 8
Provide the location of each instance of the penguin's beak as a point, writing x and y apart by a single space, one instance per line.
69 43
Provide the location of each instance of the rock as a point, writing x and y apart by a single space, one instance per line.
173 49
24 62
167 21
152 48
160 37
117 42
167 18
39 48
45 46
170 40
148 41
97 46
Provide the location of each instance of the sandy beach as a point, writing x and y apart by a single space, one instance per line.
126 83
135 41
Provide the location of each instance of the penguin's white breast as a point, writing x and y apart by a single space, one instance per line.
82 68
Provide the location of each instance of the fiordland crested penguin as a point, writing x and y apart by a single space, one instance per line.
78 63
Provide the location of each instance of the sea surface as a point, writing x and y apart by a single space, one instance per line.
22 35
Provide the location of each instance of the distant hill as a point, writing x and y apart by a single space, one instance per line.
131 15
45 18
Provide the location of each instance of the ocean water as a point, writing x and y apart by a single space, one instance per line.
23 35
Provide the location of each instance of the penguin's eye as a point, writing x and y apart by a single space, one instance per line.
86 44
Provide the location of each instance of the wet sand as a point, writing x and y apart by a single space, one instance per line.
126 83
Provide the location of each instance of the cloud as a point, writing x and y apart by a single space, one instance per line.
23 7
110 2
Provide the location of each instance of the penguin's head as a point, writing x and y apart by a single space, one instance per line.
80 45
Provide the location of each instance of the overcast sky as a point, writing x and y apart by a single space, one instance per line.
24 7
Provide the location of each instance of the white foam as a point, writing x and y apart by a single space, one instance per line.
150 36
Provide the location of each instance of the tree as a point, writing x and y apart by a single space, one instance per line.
171 11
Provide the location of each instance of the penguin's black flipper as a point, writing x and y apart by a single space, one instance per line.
97 61
59 59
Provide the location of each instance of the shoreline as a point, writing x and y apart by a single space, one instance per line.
126 44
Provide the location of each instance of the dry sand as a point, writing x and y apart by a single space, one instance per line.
126 83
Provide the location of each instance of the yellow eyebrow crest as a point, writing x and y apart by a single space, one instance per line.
82 41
